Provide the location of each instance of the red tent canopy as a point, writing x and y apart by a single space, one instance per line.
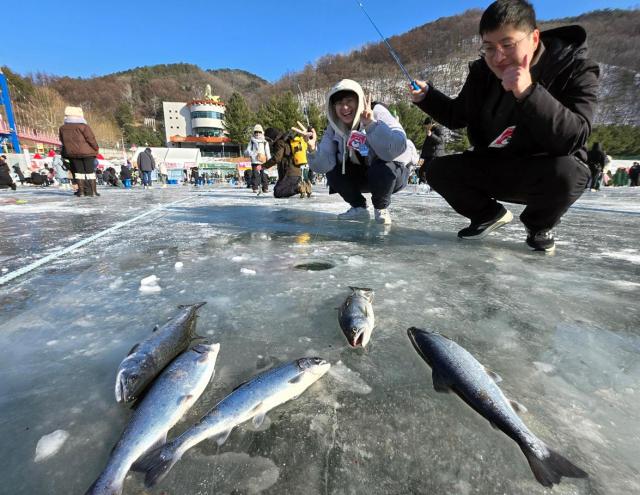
37 156
51 153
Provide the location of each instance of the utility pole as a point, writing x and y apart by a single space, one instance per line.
5 99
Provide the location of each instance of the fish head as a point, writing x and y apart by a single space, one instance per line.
314 366
129 384
358 332
424 342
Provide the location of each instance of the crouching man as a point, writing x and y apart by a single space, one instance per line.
527 104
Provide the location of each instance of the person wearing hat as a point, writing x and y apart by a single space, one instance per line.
432 147
5 174
259 152
80 147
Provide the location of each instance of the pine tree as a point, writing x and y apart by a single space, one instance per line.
411 119
238 119
281 111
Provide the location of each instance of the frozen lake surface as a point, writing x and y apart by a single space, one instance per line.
562 330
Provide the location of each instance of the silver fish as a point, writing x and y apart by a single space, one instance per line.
251 400
168 399
356 316
453 368
151 356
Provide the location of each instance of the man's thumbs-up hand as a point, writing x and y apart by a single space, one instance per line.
517 78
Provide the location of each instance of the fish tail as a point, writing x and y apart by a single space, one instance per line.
550 469
156 464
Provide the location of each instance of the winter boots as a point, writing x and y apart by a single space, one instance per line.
305 188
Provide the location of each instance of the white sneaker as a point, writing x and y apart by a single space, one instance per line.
383 216
355 213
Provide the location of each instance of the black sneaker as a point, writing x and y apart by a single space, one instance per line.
481 230
542 240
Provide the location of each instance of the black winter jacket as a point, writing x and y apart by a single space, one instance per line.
433 145
554 119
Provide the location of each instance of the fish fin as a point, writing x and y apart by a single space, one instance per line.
517 407
185 398
221 438
140 464
297 378
494 376
550 470
194 306
155 329
439 383
133 349
157 464
258 419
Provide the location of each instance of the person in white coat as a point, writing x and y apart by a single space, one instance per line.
259 152
364 149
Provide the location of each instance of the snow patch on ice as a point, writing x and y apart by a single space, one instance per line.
116 283
150 280
348 378
247 271
178 266
544 367
395 285
50 444
149 285
52 342
237 259
355 260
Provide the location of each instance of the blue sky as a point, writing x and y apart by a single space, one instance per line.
268 38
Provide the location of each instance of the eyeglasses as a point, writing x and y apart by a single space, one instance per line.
507 48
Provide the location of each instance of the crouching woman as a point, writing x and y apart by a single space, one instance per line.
363 149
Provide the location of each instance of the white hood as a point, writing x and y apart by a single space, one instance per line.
339 127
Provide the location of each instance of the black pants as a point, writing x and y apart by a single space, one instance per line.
380 178
471 183
288 186
259 179
84 166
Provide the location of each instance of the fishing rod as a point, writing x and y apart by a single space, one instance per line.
391 50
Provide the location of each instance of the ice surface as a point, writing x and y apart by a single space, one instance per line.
50 444
562 331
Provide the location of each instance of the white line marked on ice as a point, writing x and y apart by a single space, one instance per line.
26 269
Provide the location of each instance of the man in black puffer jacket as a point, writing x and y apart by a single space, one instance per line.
527 104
